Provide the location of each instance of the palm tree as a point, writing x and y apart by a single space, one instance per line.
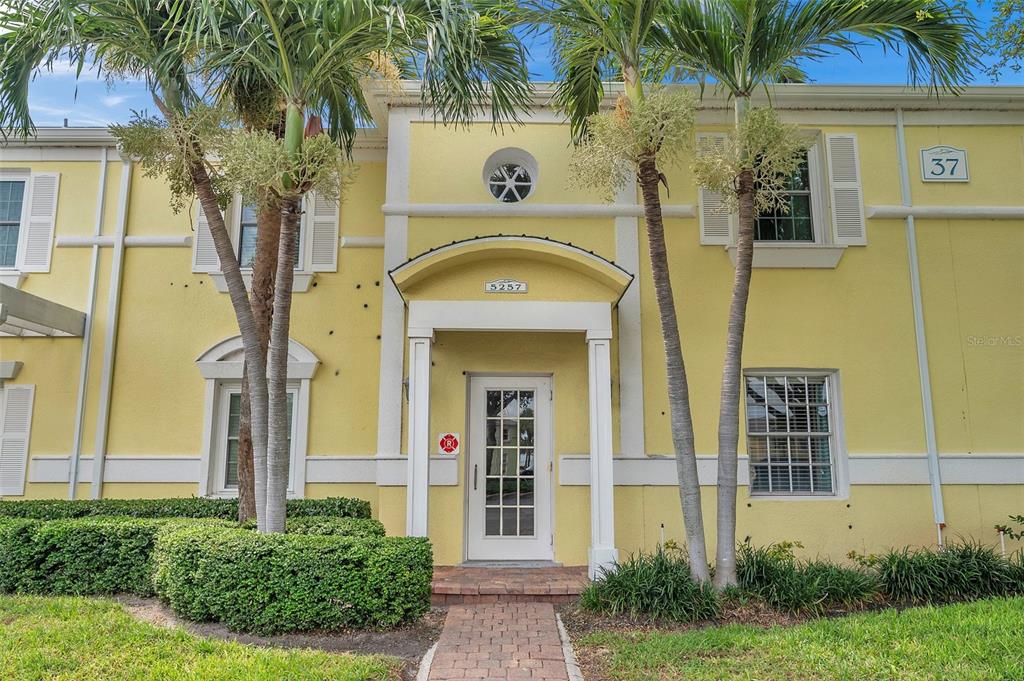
135 39
744 45
595 40
315 55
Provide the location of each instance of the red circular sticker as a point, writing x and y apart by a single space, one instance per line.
449 443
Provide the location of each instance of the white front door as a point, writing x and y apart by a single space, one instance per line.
509 477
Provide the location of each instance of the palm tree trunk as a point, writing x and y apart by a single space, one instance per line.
255 360
729 408
278 459
264 271
678 390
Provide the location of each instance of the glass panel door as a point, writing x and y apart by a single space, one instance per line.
509 501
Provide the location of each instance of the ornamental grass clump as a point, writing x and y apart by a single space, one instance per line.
658 585
773 574
959 571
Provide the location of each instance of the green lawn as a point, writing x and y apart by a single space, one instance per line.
981 640
81 638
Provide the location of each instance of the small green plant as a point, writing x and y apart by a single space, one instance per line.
657 585
1010 531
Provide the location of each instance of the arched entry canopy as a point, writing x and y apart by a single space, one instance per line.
562 261
566 289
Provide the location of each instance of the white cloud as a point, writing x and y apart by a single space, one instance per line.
112 101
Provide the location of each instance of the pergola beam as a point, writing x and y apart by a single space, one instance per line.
22 312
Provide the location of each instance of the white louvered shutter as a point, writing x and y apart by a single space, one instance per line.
15 424
37 244
847 195
322 232
715 224
204 253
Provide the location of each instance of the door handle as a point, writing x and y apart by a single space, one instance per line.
475 466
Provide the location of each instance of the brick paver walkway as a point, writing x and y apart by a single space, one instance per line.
500 641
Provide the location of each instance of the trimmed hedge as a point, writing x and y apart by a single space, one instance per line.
83 556
326 525
186 507
292 582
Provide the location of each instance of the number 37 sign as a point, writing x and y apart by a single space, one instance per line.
944 164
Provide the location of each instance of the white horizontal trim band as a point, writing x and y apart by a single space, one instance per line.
108 241
864 469
384 471
573 469
947 212
361 242
526 210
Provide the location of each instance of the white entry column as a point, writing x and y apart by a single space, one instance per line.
603 553
418 480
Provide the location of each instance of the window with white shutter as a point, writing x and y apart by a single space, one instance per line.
845 188
321 218
715 223
15 426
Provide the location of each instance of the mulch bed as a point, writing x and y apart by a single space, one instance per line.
408 643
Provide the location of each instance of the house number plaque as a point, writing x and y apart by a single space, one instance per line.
505 286
944 164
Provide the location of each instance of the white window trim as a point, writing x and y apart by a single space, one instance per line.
13 276
837 442
218 458
823 252
304 275
517 156
222 367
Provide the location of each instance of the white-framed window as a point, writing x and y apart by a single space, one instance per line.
510 175
793 433
248 231
227 418
28 213
222 366
316 250
825 216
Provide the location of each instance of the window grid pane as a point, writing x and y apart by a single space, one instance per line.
789 435
795 222
12 197
234 426
509 464
247 232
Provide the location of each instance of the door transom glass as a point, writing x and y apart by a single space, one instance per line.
509 502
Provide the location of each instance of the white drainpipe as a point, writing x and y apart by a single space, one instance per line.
90 307
110 347
934 475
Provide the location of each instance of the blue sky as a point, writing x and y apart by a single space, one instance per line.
89 101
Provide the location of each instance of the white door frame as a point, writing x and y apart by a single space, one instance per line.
592 318
478 546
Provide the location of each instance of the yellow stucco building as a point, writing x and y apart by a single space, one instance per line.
466 287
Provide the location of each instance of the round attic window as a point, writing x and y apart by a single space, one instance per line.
510 175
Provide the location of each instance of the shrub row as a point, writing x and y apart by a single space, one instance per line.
188 507
659 585
85 556
287 582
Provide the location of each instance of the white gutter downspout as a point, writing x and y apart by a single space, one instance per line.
90 308
109 349
934 476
